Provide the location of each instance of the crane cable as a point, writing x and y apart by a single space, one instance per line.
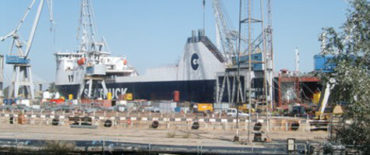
52 23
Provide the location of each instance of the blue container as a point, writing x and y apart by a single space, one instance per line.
322 63
13 59
177 109
256 61
8 101
5 101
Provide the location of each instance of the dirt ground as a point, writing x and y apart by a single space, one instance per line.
147 135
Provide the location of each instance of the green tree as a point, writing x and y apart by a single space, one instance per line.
351 48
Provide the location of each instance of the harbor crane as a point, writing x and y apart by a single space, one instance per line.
225 36
22 75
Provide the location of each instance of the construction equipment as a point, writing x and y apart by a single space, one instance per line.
320 114
324 64
22 76
205 107
245 108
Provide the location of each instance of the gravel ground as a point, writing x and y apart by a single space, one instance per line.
147 135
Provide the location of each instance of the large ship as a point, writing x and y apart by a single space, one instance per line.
194 76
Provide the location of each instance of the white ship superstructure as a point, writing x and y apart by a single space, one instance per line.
71 72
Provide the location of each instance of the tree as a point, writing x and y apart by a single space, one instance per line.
351 48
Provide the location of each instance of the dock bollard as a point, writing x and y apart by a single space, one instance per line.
257 133
108 123
195 126
11 119
257 126
294 126
155 124
55 122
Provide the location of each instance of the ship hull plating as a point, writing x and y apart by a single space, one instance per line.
193 91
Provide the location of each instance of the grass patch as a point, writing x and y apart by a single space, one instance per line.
186 135
171 134
59 147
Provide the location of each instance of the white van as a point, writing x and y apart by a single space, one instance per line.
232 112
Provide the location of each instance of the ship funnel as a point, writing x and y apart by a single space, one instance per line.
196 36
201 33
193 36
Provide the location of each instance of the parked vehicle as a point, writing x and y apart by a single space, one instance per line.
152 109
204 107
232 112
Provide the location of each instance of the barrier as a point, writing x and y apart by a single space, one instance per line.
167 121
81 122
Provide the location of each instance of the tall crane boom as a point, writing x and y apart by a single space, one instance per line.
34 27
225 37
13 33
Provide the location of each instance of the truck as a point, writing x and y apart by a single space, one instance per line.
204 107
244 108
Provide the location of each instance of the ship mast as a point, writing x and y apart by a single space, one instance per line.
94 70
86 30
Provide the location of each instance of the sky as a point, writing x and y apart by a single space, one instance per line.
152 33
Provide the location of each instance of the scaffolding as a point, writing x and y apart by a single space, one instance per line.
249 78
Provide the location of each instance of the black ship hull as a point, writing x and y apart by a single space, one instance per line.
193 91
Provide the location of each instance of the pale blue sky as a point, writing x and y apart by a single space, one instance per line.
153 32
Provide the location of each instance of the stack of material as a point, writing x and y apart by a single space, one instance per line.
167 107
21 119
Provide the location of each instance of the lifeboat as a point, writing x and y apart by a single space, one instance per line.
81 61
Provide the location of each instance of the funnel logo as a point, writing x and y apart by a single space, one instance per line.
194 61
